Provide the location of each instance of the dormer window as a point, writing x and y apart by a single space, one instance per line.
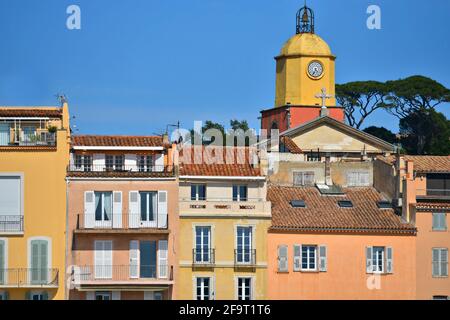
114 162
83 162
345 204
146 163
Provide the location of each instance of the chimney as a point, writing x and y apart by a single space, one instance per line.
165 138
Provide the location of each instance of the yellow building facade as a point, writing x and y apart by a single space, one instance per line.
34 154
224 218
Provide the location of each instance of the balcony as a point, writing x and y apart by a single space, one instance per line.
225 206
90 170
122 274
11 224
29 278
121 223
203 257
245 258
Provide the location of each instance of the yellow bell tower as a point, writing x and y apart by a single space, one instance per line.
305 67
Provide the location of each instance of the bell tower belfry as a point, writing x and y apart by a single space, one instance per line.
305 67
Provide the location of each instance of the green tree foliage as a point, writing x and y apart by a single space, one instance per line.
425 132
382 133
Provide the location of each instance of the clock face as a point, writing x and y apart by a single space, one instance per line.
315 69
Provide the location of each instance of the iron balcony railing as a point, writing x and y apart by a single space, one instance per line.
115 169
245 257
29 277
433 193
203 257
111 273
37 139
108 221
11 223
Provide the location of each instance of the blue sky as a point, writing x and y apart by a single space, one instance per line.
138 65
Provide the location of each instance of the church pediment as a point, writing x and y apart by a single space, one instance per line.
330 135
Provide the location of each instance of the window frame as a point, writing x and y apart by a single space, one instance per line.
377 249
243 252
103 294
239 288
437 216
202 245
202 286
439 262
196 187
308 257
239 197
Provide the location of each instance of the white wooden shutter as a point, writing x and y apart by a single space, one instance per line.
98 260
90 295
212 288
108 261
163 267
115 295
435 258
282 258
444 262
89 209
369 268
389 260
134 259
162 209
117 209
130 162
133 207
3 262
364 179
322 258
148 295
159 163
297 257
98 161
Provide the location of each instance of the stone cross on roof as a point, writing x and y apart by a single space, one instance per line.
324 96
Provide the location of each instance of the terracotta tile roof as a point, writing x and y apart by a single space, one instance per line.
117 141
31 112
168 172
423 164
290 145
208 161
322 213
433 206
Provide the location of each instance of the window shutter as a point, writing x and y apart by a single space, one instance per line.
117 209
163 266
443 223
89 209
45 295
133 208
389 260
369 268
98 162
107 256
435 258
6 295
322 258
444 262
130 162
308 178
282 258
28 295
90 295
297 257
44 261
212 288
134 259
162 209
115 295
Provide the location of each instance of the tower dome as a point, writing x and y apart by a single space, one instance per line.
306 44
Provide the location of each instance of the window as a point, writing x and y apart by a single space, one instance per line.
103 295
103 208
440 298
28 134
83 162
148 257
301 178
103 259
198 192
309 258
378 259
313 157
244 289
298 203
5 134
358 179
3 295
39 261
114 162
345 204
11 215
240 193
148 208
244 252
440 262
146 163
438 184
203 288
202 244
384 204
439 221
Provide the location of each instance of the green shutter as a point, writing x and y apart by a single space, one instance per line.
45 295
28 295
44 262
39 261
